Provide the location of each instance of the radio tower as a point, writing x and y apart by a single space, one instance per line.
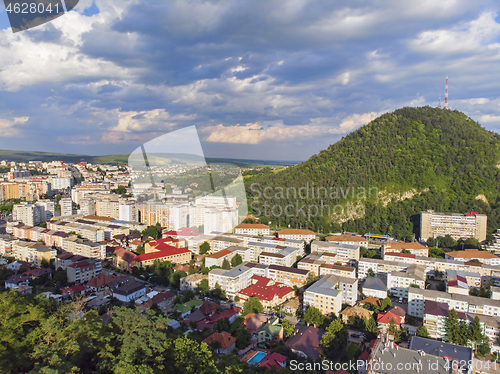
439 106
446 95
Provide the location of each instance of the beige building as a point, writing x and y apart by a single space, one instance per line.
324 295
297 234
191 281
416 249
433 224
252 229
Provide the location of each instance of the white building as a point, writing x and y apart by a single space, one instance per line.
66 206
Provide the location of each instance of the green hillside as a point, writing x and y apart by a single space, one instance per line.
416 158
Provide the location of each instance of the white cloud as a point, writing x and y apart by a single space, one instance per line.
489 118
472 36
12 127
158 119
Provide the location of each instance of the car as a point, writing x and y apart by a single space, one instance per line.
354 335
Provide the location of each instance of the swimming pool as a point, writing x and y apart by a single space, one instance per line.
258 357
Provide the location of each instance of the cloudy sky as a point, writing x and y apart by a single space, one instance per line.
260 79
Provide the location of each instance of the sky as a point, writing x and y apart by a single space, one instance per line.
274 80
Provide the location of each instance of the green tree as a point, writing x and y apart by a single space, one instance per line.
392 329
475 331
236 260
288 328
204 248
386 303
243 337
314 316
252 305
222 324
370 272
451 327
371 326
60 277
422 332
225 264
463 335
334 340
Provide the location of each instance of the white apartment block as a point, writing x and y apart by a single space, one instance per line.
461 303
27 213
329 293
399 282
127 211
232 281
283 257
61 183
219 243
380 267
416 249
6 241
344 252
433 224
66 205
85 248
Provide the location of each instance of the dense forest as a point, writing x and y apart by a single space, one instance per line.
38 335
441 159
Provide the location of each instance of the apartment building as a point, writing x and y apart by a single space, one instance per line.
269 292
345 251
474 254
222 242
6 241
324 295
461 303
288 276
379 267
163 253
27 213
283 257
435 314
217 259
297 234
31 252
232 281
254 229
461 281
398 282
355 240
343 271
84 247
433 224
66 205
83 271
416 249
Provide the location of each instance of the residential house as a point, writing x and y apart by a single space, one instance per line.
269 293
99 282
356 312
306 342
191 282
270 334
225 342
127 289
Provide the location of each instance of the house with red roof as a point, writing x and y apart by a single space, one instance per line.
273 360
383 320
74 290
100 282
269 292
123 259
222 342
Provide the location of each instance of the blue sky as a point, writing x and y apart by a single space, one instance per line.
259 79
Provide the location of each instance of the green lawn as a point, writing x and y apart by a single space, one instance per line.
353 351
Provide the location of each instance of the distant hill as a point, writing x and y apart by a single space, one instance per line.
416 158
24 156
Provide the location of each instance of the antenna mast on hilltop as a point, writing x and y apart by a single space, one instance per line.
446 95
439 106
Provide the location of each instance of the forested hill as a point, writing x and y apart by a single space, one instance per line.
417 158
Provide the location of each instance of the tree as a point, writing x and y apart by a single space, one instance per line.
363 251
236 260
154 231
334 340
252 305
243 337
392 329
447 242
314 316
422 332
236 299
484 348
371 326
218 292
288 328
225 264
222 324
463 335
204 248
451 326
203 287
188 295
475 331
60 277
386 303
370 272
431 242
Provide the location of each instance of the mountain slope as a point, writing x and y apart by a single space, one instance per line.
427 158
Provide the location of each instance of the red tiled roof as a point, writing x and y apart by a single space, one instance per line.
273 359
125 255
162 296
365 356
73 289
397 254
163 252
262 291
224 338
385 318
100 280
220 254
